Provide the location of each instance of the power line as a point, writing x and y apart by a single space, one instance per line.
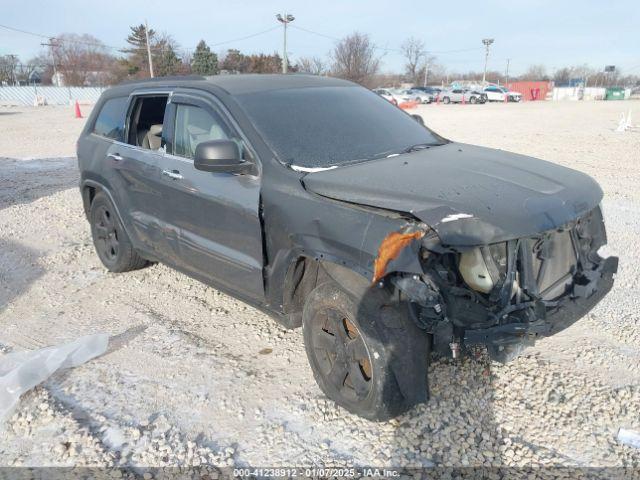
438 52
100 44
244 38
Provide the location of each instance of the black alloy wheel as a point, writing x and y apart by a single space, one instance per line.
106 242
341 354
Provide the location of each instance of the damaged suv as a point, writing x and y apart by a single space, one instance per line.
325 206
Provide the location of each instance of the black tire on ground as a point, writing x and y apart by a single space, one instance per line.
364 353
110 239
473 100
446 100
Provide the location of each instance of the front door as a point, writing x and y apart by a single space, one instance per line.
215 215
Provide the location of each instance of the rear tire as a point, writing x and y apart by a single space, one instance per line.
110 239
363 352
473 100
446 100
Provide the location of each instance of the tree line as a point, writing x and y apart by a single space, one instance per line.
84 60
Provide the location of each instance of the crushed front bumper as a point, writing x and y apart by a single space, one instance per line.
565 313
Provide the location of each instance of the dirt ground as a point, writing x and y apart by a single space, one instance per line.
194 377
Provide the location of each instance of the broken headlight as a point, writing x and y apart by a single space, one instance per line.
482 268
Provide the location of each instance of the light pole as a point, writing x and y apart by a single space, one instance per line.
507 71
284 19
486 42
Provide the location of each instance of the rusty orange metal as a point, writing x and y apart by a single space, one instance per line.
389 250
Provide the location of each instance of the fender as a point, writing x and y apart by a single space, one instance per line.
86 200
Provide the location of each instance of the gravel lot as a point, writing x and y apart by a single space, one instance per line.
194 377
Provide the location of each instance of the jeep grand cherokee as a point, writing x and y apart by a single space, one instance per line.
324 205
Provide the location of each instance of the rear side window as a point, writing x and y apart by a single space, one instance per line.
110 120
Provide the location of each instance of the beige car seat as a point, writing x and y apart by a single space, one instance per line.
153 138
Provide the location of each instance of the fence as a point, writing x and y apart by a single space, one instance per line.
52 95
579 93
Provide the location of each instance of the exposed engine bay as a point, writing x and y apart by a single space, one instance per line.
505 295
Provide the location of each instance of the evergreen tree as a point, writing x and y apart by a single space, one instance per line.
204 61
166 62
137 59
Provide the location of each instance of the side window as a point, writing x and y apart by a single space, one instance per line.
195 125
110 121
146 121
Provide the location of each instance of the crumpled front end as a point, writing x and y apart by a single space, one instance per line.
506 295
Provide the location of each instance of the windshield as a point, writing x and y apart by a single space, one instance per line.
325 126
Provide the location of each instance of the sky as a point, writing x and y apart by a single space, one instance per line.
554 33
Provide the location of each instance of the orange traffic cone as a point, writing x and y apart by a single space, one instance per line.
463 100
506 98
78 112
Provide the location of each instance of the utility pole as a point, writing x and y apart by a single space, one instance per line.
426 73
52 44
284 19
487 43
146 34
507 72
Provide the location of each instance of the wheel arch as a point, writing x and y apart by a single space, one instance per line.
305 271
89 190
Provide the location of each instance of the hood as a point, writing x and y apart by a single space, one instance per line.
469 195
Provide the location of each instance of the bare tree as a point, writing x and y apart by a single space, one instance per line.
8 65
535 73
82 59
562 75
414 54
354 59
312 65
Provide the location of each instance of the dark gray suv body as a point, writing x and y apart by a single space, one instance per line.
325 206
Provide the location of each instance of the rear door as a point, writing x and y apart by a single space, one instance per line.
127 174
216 215
139 170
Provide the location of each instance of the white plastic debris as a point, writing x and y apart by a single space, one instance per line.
629 437
21 371
625 123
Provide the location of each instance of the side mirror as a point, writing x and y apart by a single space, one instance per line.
220 156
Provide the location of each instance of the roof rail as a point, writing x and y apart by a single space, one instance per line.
163 79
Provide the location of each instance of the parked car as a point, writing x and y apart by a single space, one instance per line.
386 94
433 91
405 95
422 96
497 94
321 204
455 95
482 97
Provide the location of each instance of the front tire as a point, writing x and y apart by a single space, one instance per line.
473 100
362 352
110 239
446 100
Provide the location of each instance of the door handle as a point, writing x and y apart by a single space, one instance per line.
115 156
175 174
